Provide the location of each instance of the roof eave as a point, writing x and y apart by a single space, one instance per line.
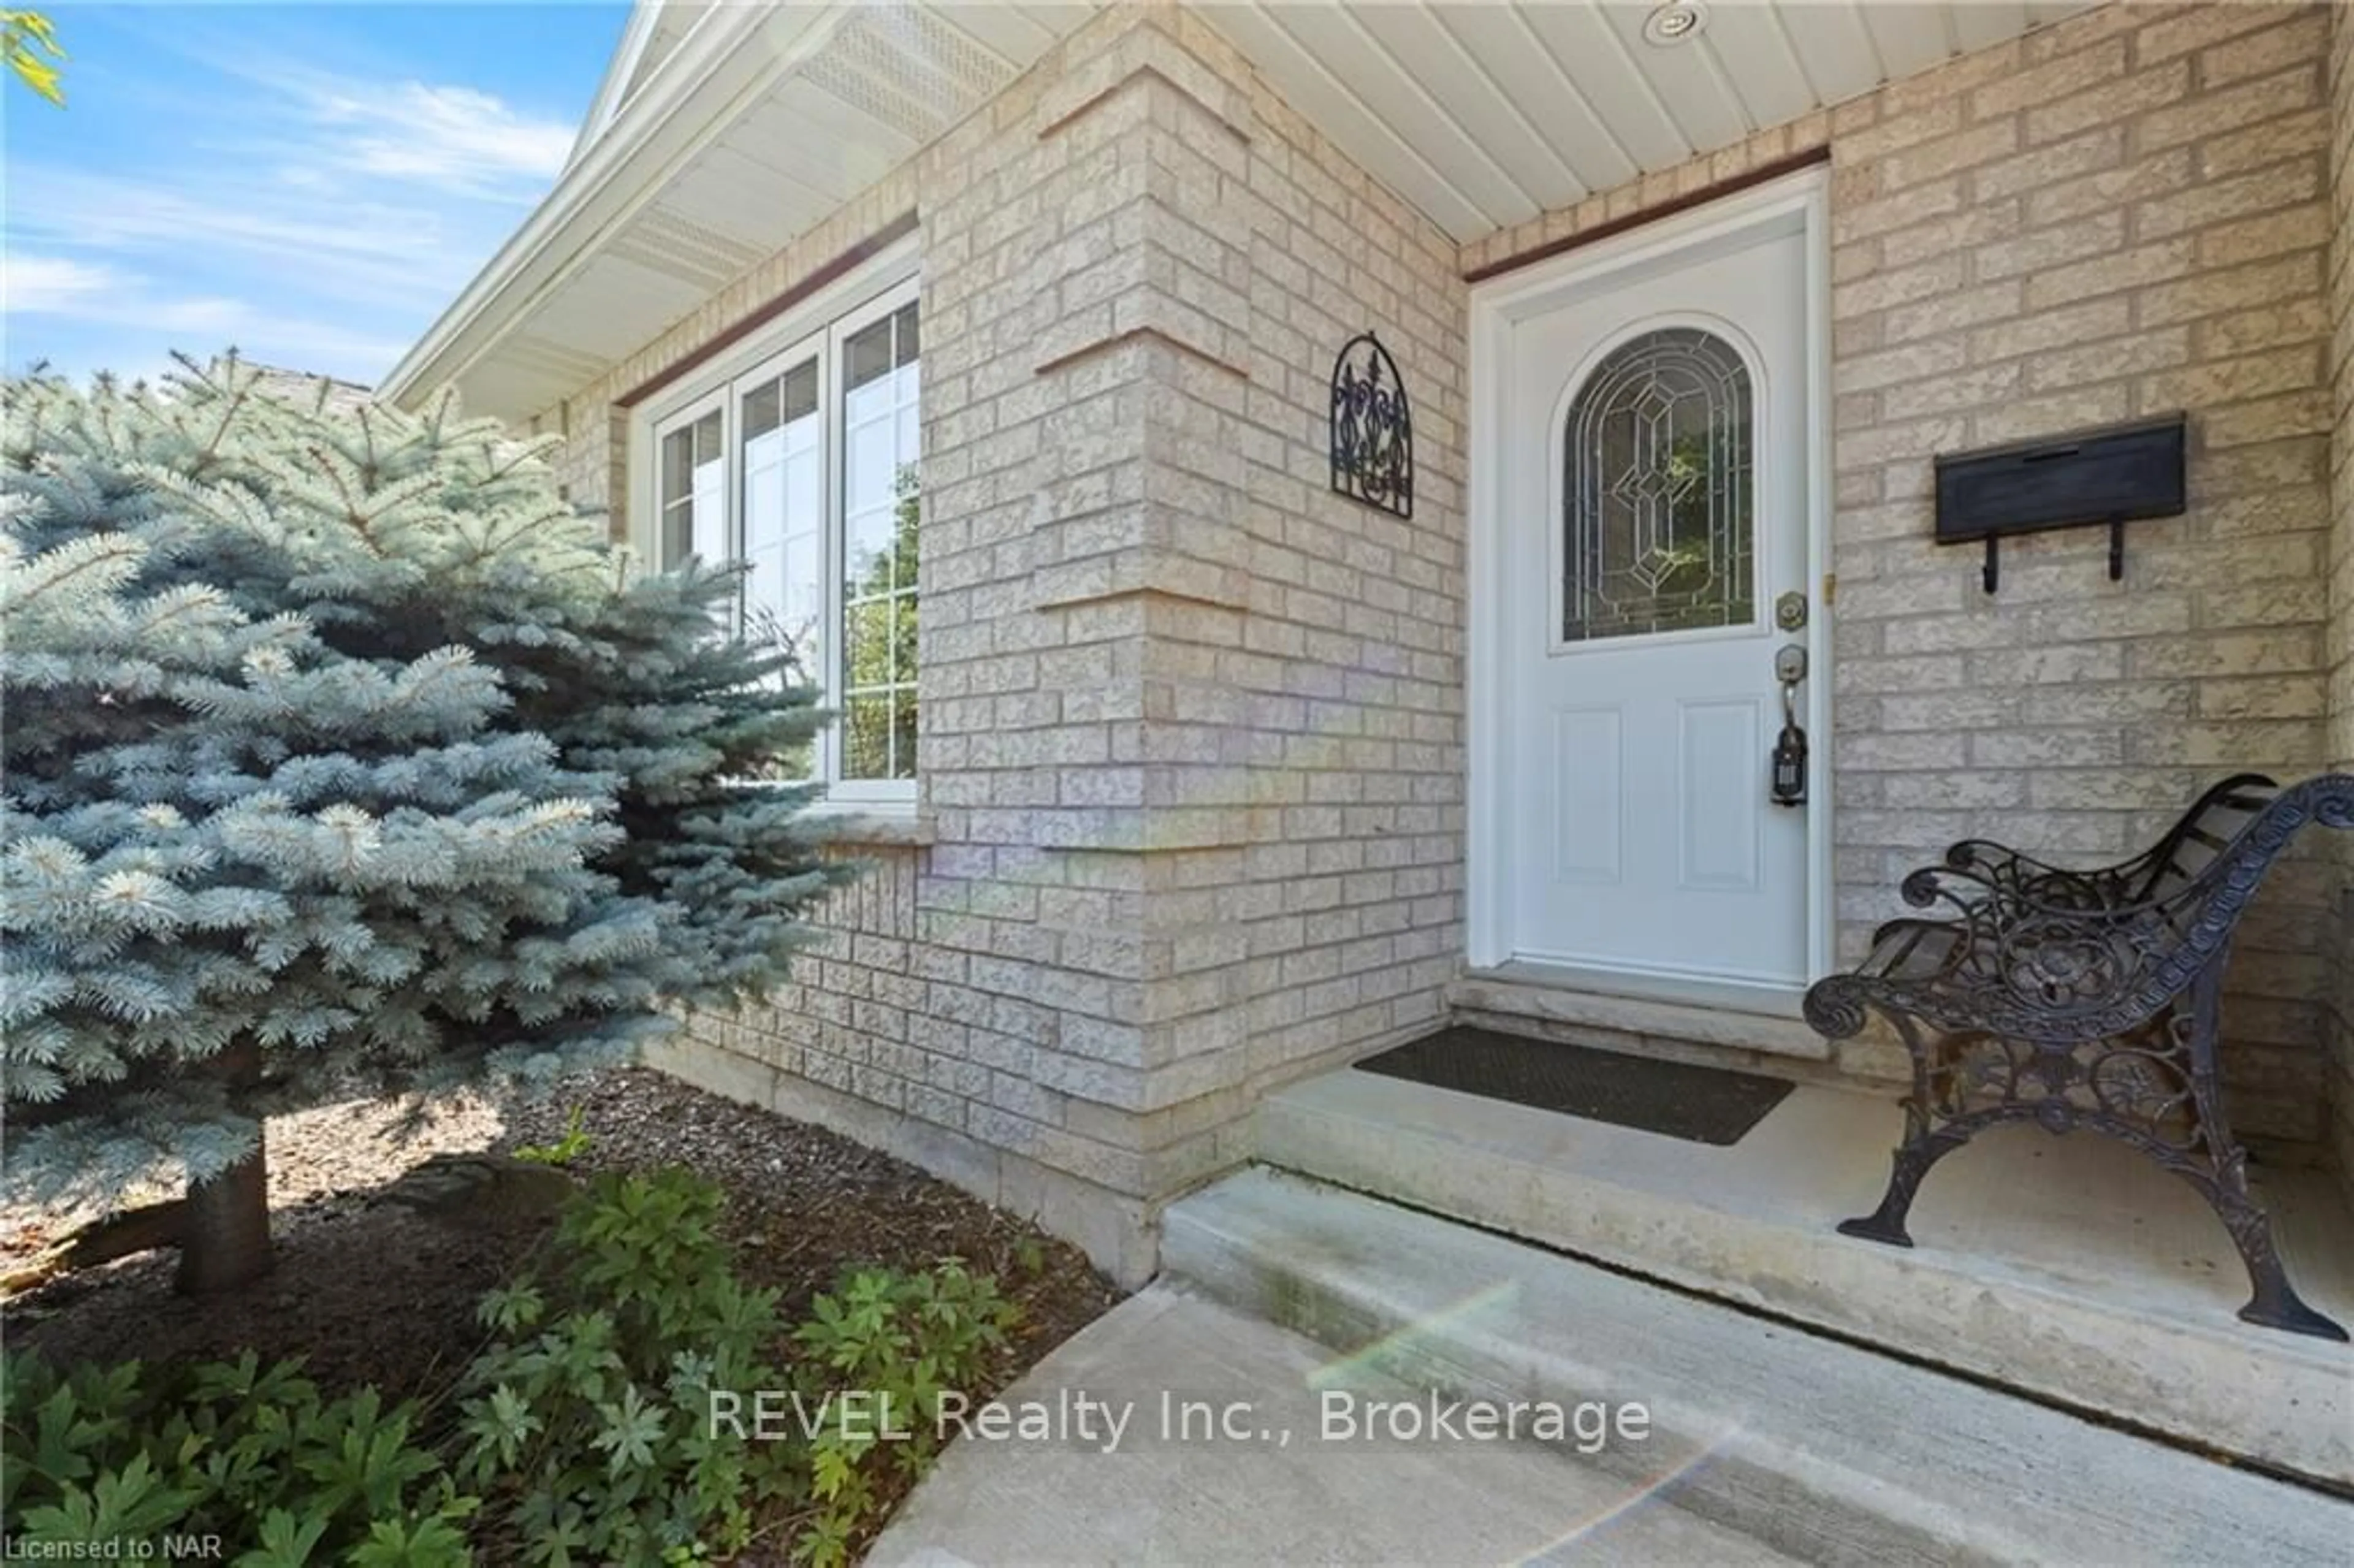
644 14
661 123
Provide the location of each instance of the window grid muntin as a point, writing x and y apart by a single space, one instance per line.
691 503
879 434
783 527
739 402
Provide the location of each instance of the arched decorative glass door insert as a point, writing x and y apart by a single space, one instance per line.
1658 522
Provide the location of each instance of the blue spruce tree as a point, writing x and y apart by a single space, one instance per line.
342 757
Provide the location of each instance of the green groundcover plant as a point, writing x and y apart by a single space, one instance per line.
234 1452
591 1430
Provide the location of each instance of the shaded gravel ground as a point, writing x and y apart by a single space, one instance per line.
372 1292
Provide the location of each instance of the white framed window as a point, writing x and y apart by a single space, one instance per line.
691 506
798 455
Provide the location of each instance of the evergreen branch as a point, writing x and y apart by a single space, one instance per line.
375 759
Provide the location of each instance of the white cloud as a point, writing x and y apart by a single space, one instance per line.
108 296
53 285
442 135
318 225
319 232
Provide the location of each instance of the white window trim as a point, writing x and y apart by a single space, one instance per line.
650 549
892 791
816 325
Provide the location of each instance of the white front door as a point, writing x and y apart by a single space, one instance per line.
1652 510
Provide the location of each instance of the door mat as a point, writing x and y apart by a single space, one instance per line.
1701 1104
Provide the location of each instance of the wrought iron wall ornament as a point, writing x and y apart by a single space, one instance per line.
1372 427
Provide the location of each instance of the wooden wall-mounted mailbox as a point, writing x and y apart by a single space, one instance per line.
2112 476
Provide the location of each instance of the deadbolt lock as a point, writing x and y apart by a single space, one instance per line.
1790 612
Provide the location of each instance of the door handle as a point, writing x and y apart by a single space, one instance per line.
1789 758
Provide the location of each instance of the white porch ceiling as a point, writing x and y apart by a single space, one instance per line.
1484 115
724 130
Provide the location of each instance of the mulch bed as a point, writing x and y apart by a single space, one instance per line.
371 1292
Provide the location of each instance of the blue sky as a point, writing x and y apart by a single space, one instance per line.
311 183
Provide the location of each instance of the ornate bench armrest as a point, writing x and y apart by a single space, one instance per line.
1997 865
2062 957
2012 966
1907 954
2129 882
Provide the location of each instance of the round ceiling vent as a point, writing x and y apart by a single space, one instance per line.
1674 23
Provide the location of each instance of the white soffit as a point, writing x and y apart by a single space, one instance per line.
724 131
1484 114
721 133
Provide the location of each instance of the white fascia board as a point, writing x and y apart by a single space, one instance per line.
644 14
736 57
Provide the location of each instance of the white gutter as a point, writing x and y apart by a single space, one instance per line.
733 57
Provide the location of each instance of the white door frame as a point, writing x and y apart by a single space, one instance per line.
1802 198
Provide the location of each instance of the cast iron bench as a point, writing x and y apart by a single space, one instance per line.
2084 999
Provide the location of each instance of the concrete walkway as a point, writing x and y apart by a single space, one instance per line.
1196 1424
1162 1494
1824 1451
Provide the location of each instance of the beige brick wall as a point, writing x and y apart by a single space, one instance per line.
2341 577
1193 727
1277 671
967 995
1327 699
2123 215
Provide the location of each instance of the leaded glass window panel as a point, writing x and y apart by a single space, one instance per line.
1659 504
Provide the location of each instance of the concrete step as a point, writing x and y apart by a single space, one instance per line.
1530 999
1165 1494
2072 1268
1801 1444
